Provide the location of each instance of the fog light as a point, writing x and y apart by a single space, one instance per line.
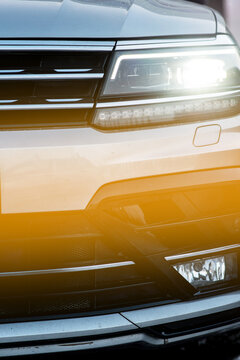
209 271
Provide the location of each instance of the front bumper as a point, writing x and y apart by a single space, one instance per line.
76 169
61 170
132 327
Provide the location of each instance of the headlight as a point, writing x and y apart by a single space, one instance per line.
173 71
175 82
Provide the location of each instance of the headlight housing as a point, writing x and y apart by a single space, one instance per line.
173 72
162 86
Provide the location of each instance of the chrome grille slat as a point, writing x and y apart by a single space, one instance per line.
7 101
11 71
50 76
55 48
66 270
68 76
206 252
47 106
72 70
62 100
56 45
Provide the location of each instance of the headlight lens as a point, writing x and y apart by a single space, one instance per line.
145 88
166 72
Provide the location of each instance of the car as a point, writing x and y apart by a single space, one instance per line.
120 174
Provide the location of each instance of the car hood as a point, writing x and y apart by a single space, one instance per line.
103 19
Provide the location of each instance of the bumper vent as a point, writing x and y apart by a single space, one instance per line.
48 87
197 324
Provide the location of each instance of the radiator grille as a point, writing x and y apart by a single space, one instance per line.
47 87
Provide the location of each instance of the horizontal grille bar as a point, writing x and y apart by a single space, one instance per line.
55 45
47 106
66 270
72 70
202 252
51 76
55 48
11 71
63 76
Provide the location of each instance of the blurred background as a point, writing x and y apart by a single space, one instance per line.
230 9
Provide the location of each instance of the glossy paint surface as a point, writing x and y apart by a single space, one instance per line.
97 19
57 170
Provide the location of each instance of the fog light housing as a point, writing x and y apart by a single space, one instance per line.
209 272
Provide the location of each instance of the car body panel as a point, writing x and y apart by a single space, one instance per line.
59 170
161 314
65 328
103 19
57 184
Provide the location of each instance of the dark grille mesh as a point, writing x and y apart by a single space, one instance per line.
78 243
33 85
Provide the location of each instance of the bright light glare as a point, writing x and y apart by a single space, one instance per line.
165 55
198 73
173 72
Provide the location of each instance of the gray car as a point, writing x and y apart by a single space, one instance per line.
119 173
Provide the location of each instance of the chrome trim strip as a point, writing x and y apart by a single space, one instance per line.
68 76
72 70
59 42
203 252
63 328
63 100
167 100
54 48
7 101
11 71
66 270
47 106
167 43
55 45
183 310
